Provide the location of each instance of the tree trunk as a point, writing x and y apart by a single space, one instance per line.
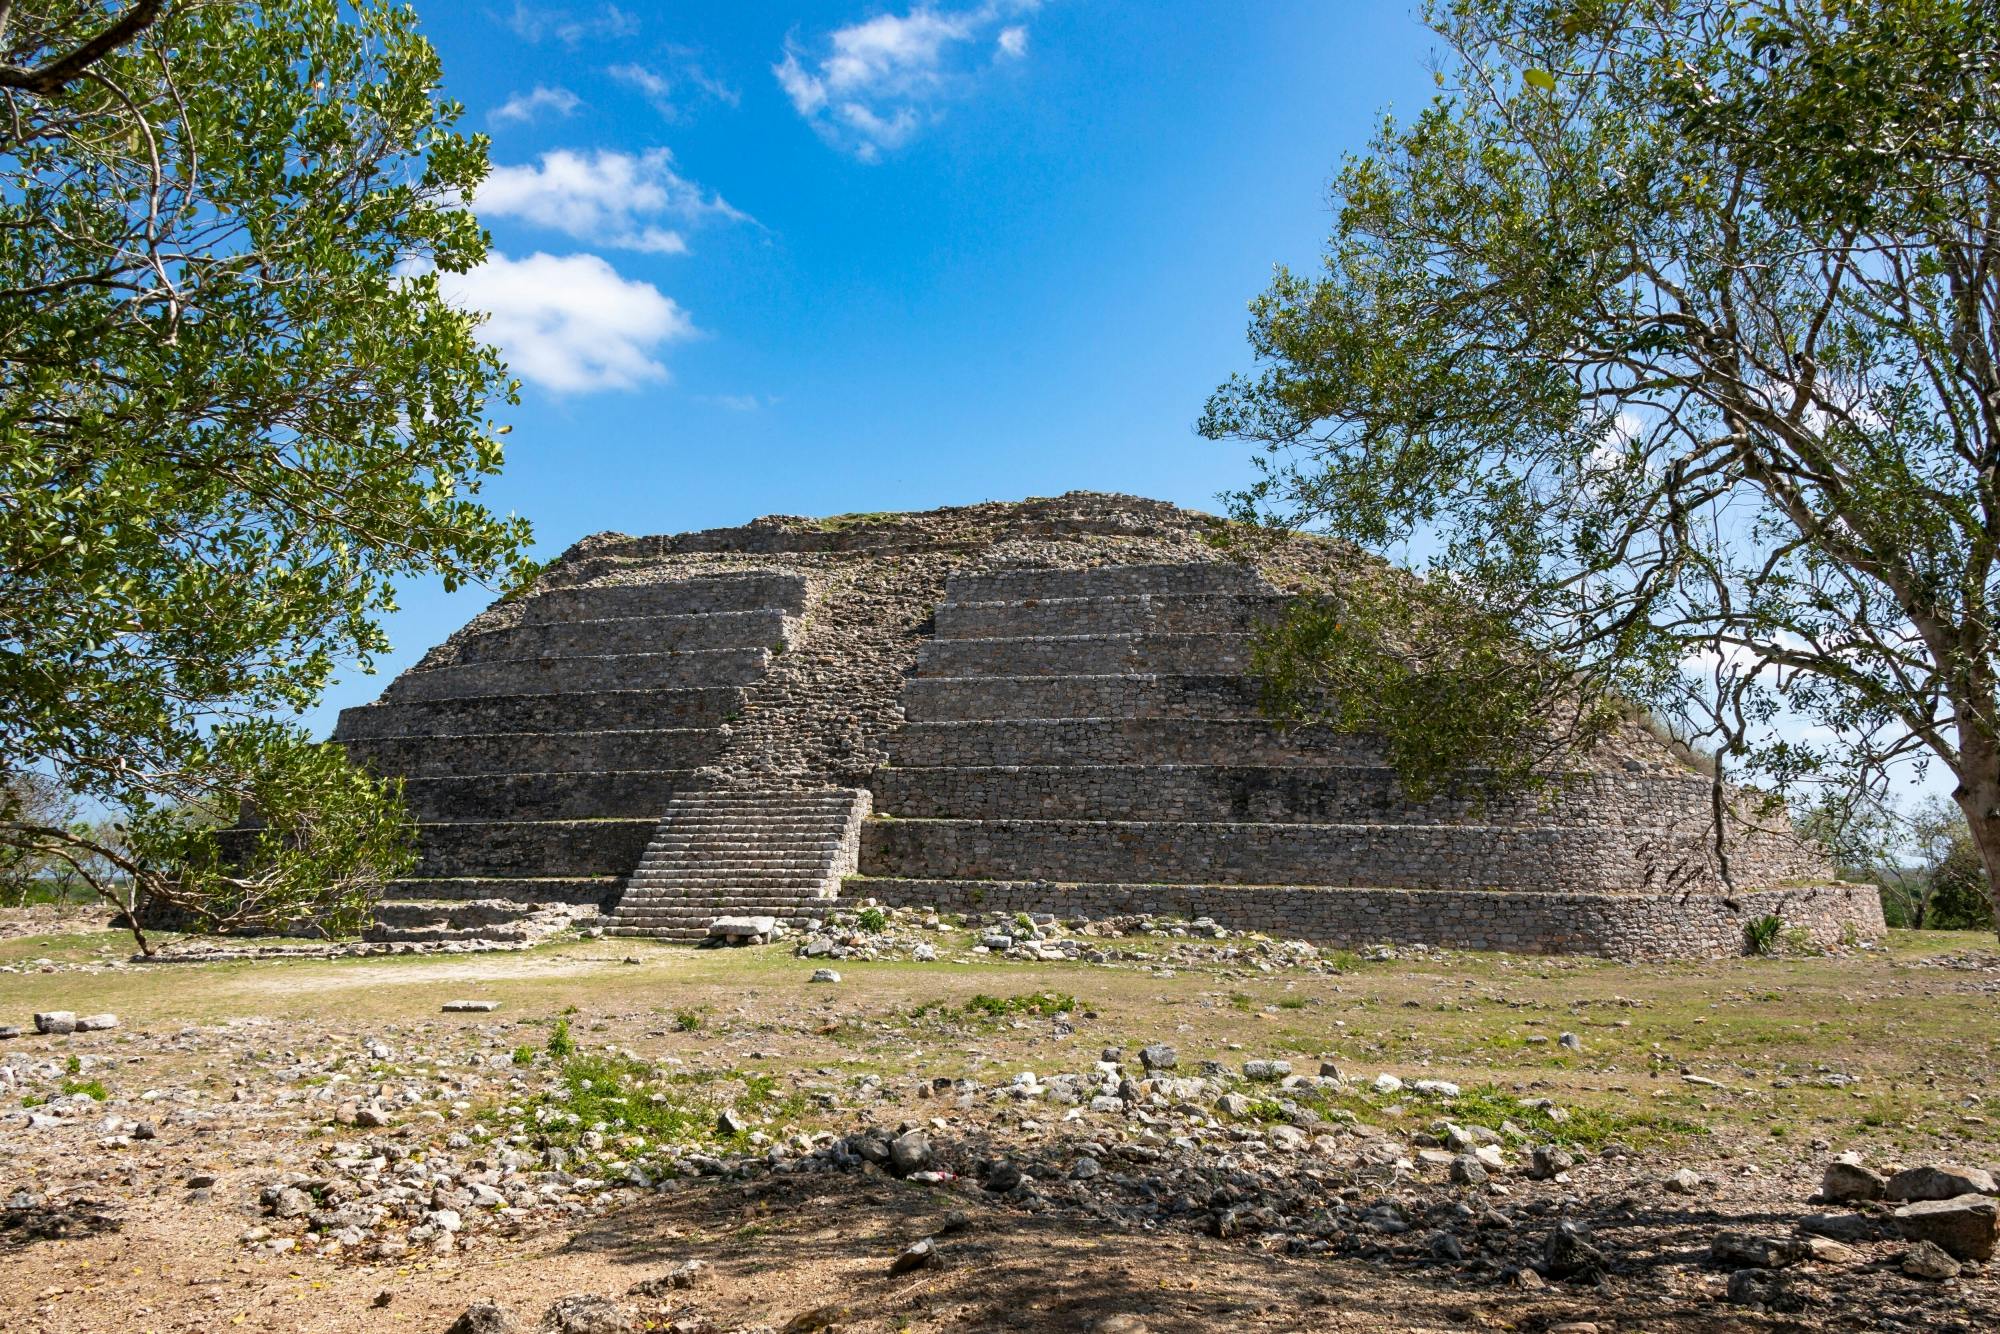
1978 795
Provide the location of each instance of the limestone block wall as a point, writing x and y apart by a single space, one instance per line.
986 743
954 698
1437 856
1125 613
1620 926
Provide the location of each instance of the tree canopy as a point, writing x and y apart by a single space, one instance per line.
234 408
1666 343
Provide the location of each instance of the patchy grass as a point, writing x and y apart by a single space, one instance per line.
619 1107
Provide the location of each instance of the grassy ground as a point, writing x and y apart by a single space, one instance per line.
1880 1050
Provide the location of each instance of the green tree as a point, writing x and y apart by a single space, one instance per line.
234 408
1669 335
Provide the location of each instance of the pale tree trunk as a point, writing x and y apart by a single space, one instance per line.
1978 796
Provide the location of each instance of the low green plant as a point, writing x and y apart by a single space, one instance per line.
524 1055
561 1045
688 1020
1043 1004
1760 934
871 919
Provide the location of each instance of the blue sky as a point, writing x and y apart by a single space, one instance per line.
813 258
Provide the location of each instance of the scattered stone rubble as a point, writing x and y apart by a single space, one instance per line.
923 935
428 1139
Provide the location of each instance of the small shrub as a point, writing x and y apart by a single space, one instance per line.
1045 1005
688 1021
561 1045
1760 934
89 1088
871 919
524 1055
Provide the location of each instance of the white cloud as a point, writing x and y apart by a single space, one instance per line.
606 197
523 108
678 85
569 322
645 80
871 85
532 23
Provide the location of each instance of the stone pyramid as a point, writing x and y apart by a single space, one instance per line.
1037 706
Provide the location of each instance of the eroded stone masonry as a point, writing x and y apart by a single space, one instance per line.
1037 706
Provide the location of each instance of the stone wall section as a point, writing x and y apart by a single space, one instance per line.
1619 926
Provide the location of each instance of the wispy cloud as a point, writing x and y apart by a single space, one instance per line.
870 86
607 198
738 402
524 108
676 84
569 322
536 23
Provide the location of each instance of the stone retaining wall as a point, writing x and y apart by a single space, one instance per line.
666 595
1528 858
537 753
988 742
766 628
1622 926
626 671
949 698
1087 655
1129 613
1288 793
594 711
599 794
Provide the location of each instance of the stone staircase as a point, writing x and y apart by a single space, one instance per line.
742 854
539 749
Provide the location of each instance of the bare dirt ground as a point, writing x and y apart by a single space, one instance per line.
316 1146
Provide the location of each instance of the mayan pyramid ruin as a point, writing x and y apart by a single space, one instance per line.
1040 706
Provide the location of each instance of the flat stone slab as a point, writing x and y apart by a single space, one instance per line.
743 928
471 1006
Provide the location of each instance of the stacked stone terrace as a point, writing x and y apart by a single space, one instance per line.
1089 741
1048 705
540 747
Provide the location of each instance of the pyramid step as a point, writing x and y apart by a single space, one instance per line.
567 710
608 671
761 628
1185 613
1086 655
483 753
539 796
523 889
1439 856
959 698
1321 794
747 591
1014 742
1103 581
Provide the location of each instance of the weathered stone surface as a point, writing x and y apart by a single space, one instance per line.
1942 1181
1964 1226
1747 1250
1846 1183
484 1318
585 1313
